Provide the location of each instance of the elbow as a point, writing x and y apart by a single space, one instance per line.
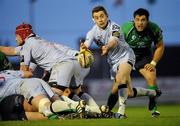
30 75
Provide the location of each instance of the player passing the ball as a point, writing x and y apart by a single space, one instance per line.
109 38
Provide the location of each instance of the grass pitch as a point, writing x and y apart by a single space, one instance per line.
137 116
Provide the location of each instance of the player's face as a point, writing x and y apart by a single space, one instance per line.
101 19
140 22
19 40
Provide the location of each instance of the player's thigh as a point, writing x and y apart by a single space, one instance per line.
31 88
124 70
28 107
80 73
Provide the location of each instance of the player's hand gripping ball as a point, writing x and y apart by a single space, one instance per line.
85 58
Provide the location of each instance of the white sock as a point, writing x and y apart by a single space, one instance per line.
76 98
123 94
44 107
71 102
74 104
145 92
59 106
93 107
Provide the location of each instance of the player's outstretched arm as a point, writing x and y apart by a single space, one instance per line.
9 51
111 44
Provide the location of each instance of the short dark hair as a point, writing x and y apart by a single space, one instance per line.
140 12
99 8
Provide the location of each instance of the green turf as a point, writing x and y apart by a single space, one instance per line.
137 116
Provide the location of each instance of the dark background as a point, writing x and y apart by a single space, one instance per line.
167 67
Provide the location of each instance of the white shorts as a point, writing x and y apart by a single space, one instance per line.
63 72
129 57
33 87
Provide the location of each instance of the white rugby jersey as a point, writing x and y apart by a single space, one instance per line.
9 80
103 36
67 50
42 53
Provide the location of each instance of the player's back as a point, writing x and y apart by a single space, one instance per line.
9 81
67 50
45 53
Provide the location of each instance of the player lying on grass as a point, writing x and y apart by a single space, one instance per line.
36 91
16 107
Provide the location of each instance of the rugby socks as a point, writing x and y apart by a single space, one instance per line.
48 109
144 92
74 97
43 107
53 117
153 87
90 102
112 100
123 94
72 103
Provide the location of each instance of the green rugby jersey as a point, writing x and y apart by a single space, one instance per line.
141 42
